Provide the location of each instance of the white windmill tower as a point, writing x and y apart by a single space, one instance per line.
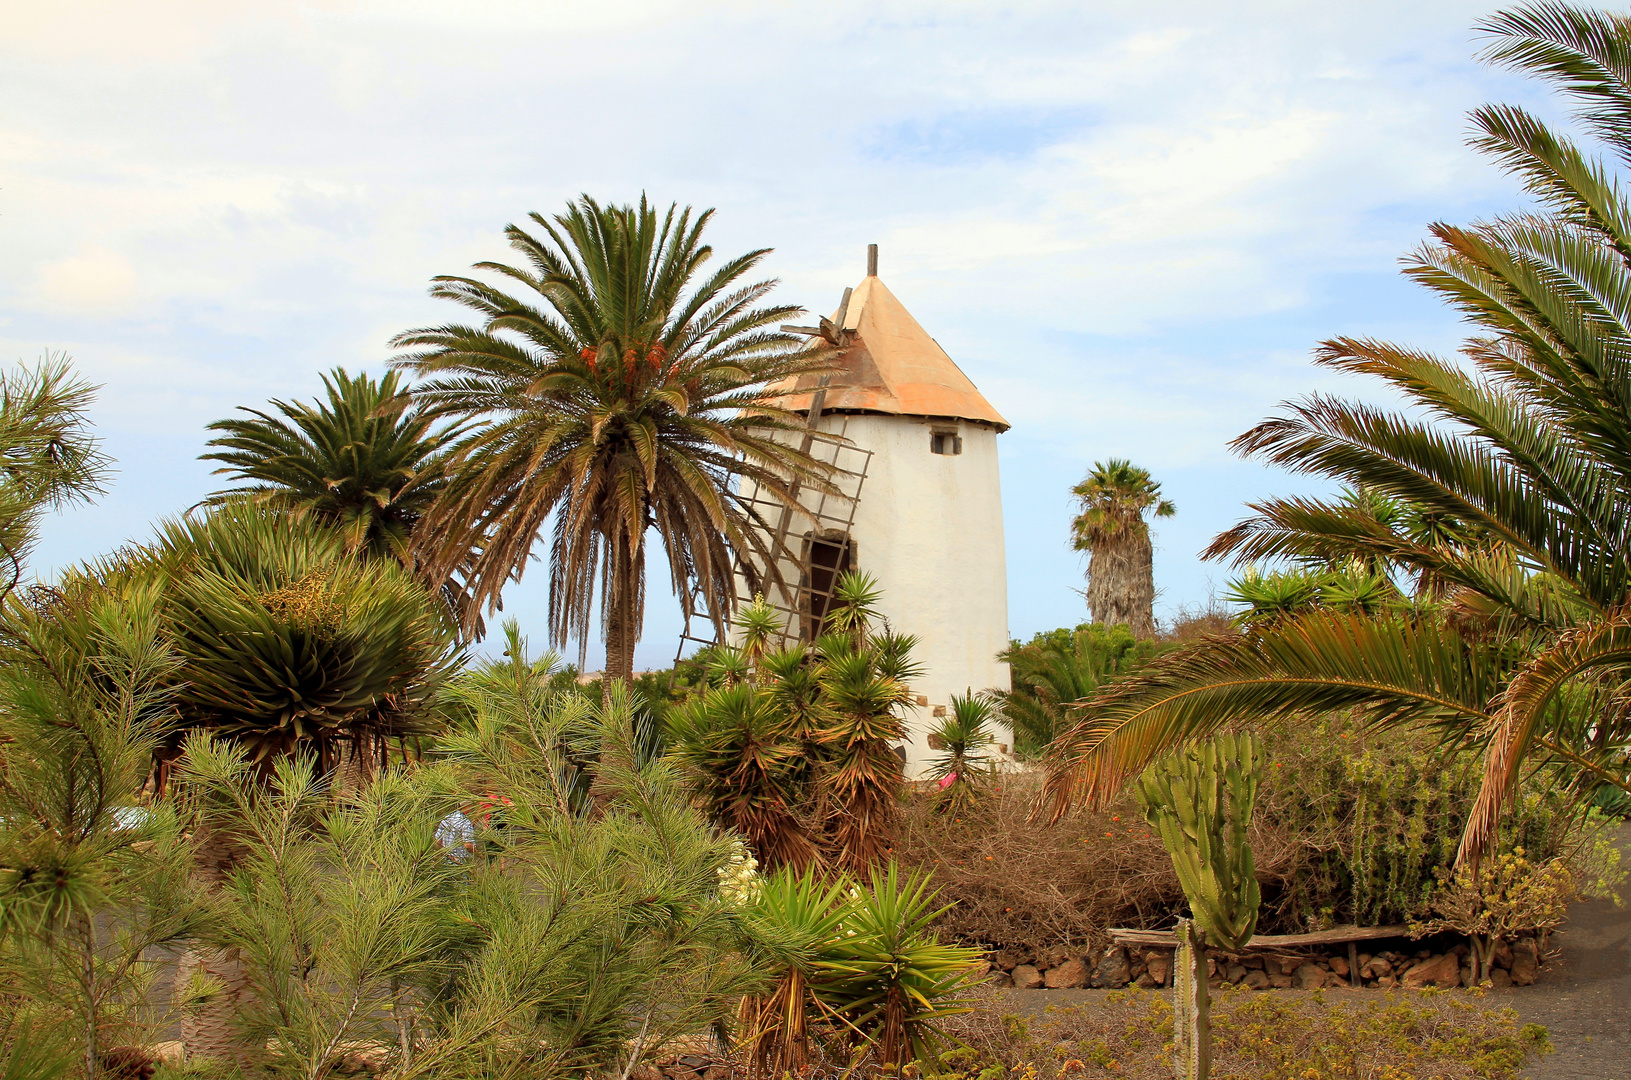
900 416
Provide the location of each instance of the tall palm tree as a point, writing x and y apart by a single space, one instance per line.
1111 526
619 392
1528 652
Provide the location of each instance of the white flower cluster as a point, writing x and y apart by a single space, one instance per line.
739 881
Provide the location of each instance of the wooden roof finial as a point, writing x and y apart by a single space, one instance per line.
872 260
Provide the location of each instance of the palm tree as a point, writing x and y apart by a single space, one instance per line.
622 395
1529 453
365 462
1054 671
1111 527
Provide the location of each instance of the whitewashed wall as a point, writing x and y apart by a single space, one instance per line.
929 528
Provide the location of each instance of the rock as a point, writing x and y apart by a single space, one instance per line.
1500 979
1424 954
1375 968
1386 982
1462 951
1283 965
1503 955
1364 958
1000 978
1160 968
1439 970
1069 975
1026 977
1009 959
1113 970
1339 964
363 1057
1234 973
1055 956
1336 982
1256 980
981 967
1145 981
646 1072
1280 982
1525 962
1308 977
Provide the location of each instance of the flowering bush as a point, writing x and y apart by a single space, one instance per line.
1503 897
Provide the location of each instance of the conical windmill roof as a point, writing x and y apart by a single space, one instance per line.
892 366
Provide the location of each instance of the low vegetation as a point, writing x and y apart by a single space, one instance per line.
1314 1036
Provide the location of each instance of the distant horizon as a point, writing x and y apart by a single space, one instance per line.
1129 228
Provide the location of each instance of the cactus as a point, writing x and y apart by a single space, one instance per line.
1200 801
1192 1007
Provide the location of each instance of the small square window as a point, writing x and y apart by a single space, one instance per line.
945 442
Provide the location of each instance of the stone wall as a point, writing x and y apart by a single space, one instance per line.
1382 964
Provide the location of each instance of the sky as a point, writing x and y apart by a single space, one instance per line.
1128 223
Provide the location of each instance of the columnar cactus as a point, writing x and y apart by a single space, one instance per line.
1200 800
1192 1007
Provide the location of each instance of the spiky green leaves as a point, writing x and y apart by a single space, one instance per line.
619 392
363 461
287 640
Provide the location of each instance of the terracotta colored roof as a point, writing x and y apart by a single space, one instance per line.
893 366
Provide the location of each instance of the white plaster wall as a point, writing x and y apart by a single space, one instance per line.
929 528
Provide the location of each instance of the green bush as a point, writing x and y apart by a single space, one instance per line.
1374 817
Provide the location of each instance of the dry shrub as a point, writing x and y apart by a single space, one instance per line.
1020 881
1279 1036
1197 621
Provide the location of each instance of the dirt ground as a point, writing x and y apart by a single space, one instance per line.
1584 1000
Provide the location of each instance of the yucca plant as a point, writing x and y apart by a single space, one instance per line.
864 691
885 974
964 767
288 642
803 912
736 746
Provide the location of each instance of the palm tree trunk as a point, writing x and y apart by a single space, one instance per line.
1121 583
209 1030
622 617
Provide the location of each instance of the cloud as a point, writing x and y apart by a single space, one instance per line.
1128 223
95 282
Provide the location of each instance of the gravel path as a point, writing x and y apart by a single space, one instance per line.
1585 1001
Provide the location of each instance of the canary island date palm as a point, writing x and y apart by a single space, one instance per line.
618 390
1112 527
1526 444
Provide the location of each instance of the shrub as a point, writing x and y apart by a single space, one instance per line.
1263 1036
1347 829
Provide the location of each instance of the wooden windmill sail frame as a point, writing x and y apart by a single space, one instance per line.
798 585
